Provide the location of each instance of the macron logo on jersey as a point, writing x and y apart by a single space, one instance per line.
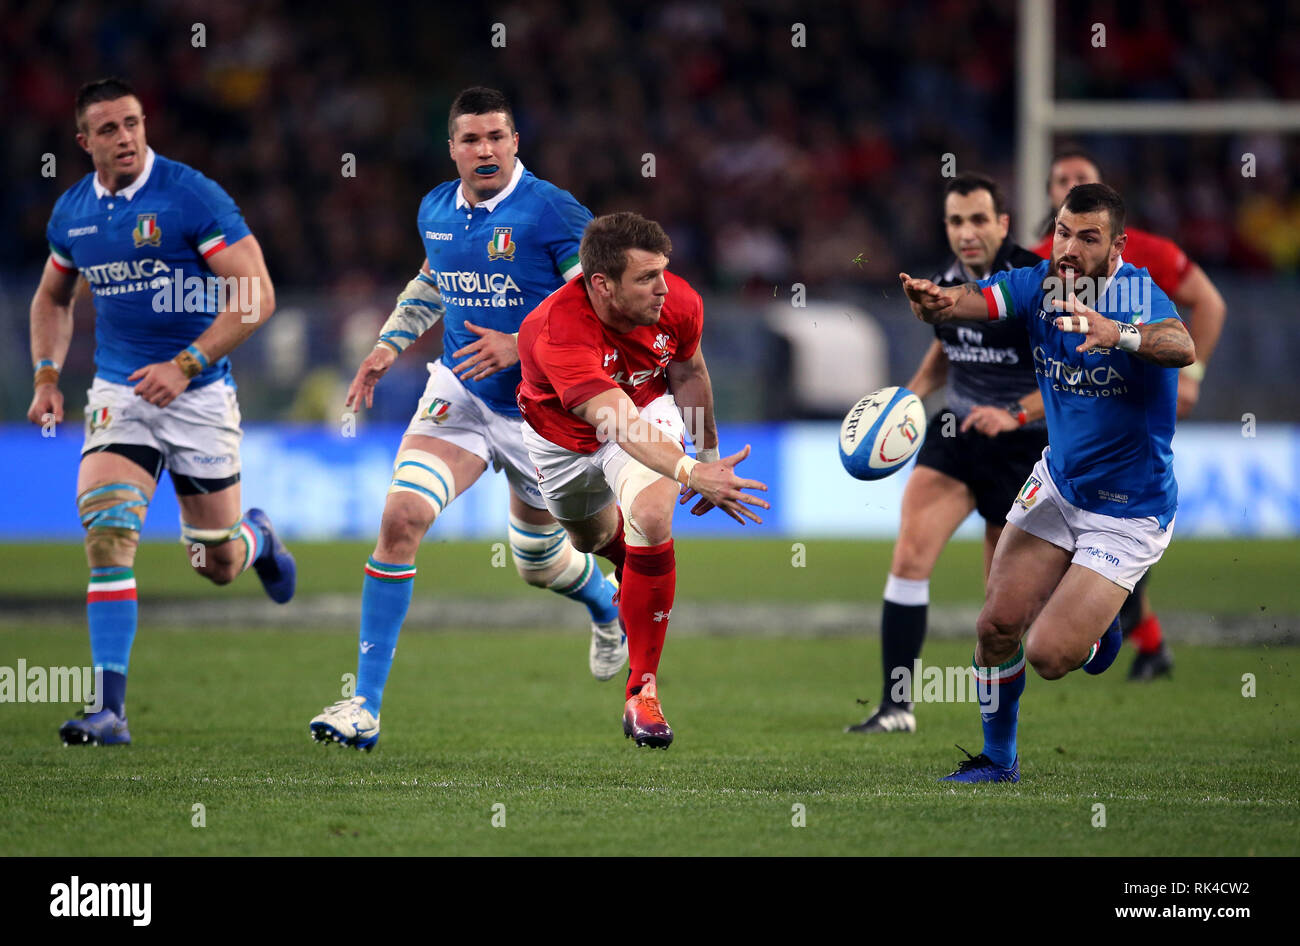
83 231
430 235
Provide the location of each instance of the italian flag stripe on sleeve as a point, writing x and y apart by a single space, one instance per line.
61 262
998 298
212 243
570 266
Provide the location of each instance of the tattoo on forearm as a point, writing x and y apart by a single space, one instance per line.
1167 343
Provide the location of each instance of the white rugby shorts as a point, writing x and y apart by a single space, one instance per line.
1117 548
451 412
197 433
576 486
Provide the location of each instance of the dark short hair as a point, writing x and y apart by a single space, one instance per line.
479 101
964 184
607 239
1086 198
101 90
1071 152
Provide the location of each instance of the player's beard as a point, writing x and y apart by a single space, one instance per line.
643 314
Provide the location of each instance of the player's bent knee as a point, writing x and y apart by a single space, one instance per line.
112 515
643 523
1047 658
540 552
996 632
214 553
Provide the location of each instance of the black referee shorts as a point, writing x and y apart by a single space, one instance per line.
993 467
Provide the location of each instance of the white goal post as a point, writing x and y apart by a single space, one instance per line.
1039 114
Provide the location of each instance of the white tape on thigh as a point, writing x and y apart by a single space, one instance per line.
425 475
632 479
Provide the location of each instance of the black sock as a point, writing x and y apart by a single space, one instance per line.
902 632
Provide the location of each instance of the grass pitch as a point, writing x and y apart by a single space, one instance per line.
1188 766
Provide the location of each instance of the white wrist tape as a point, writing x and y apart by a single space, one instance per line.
707 454
685 464
419 307
1130 339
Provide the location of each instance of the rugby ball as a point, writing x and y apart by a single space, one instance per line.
881 433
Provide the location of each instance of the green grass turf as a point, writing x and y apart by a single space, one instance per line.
1216 577
1183 767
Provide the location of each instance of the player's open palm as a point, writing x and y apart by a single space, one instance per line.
47 402
373 367
493 352
1098 331
719 486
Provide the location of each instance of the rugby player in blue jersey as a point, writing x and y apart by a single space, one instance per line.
178 283
497 241
1098 509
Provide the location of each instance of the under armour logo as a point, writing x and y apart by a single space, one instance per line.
366 647
663 615
611 357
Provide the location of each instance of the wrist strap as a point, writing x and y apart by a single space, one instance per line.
707 455
685 464
1130 339
1019 413
47 372
191 361
1195 371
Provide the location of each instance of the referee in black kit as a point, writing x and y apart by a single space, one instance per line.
975 459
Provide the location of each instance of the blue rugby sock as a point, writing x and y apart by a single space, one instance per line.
591 588
999 691
1105 650
111 615
385 596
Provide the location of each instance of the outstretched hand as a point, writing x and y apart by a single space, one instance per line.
373 367
717 485
1098 331
924 295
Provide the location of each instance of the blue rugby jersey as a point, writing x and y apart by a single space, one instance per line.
496 262
140 249
1110 414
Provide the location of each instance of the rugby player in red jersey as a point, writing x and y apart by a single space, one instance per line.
611 361
1197 298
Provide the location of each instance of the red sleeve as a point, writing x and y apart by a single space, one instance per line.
1044 248
691 324
1166 262
574 371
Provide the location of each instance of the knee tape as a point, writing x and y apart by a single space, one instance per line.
538 548
112 517
632 480
425 475
192 535
547 553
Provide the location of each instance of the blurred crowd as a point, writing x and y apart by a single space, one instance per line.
779 152
789 142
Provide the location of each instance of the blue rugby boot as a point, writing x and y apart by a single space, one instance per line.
274 566
104 728
980 768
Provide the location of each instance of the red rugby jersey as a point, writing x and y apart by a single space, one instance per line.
1163 259
568 356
